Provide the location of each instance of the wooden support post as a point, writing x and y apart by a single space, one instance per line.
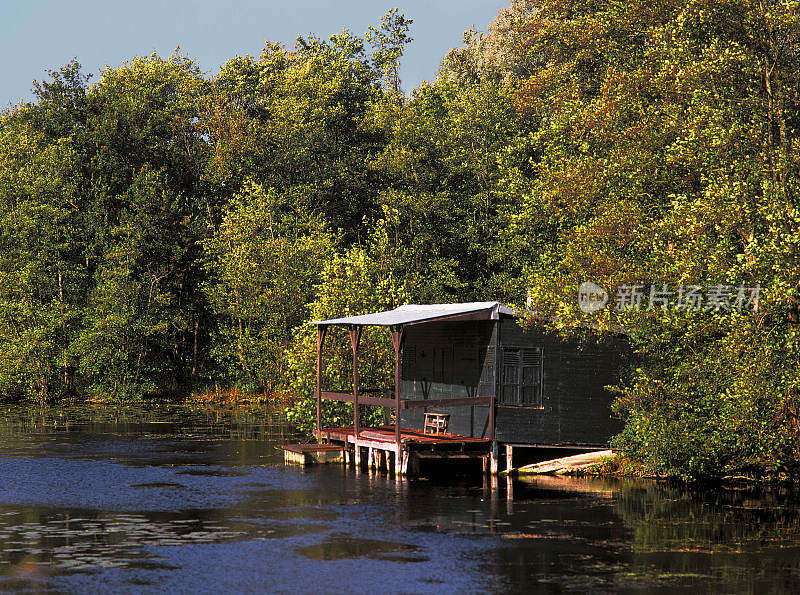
320 339
491 419
371 458
497 384
509 494
404 462
509 458
357 456
355 337
493 497
397 341
494 459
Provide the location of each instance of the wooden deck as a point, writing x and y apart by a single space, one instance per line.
308 454
380 446
386 434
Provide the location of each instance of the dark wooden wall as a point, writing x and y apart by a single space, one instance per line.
459 359
575 405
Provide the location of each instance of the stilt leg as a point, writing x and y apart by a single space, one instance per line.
397 460
509 494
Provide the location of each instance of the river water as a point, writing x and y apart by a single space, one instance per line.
169 498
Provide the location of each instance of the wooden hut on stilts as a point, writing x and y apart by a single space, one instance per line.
468 382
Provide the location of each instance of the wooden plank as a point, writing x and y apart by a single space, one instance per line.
362 399
419 403
447 455
375 435
299 448
379 401
565 464
390 446
385 435
332 396
586 447
307 454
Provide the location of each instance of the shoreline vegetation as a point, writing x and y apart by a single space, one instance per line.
616 466
163 230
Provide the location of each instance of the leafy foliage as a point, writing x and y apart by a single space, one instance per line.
161 230
666 144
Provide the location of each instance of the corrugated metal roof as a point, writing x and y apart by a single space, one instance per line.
416 313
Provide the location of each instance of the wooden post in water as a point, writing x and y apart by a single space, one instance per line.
320 339
355 337
497 388
397 340
509 494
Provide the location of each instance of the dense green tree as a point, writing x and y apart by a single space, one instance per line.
161 229
265 263
302 122
43 225
444 159
367 277
102 210
666 151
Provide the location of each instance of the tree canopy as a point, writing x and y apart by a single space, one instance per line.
162 230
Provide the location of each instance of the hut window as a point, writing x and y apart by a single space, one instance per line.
522 377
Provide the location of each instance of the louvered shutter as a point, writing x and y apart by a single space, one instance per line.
531 377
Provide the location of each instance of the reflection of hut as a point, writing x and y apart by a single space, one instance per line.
493 381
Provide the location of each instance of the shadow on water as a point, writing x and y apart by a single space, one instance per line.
171 498
337 547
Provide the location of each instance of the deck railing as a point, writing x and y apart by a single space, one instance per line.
367 398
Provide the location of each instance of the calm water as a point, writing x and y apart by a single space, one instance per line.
180 500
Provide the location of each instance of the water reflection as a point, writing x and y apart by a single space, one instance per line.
174 498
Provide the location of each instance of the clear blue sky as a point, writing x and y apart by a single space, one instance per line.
36 35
